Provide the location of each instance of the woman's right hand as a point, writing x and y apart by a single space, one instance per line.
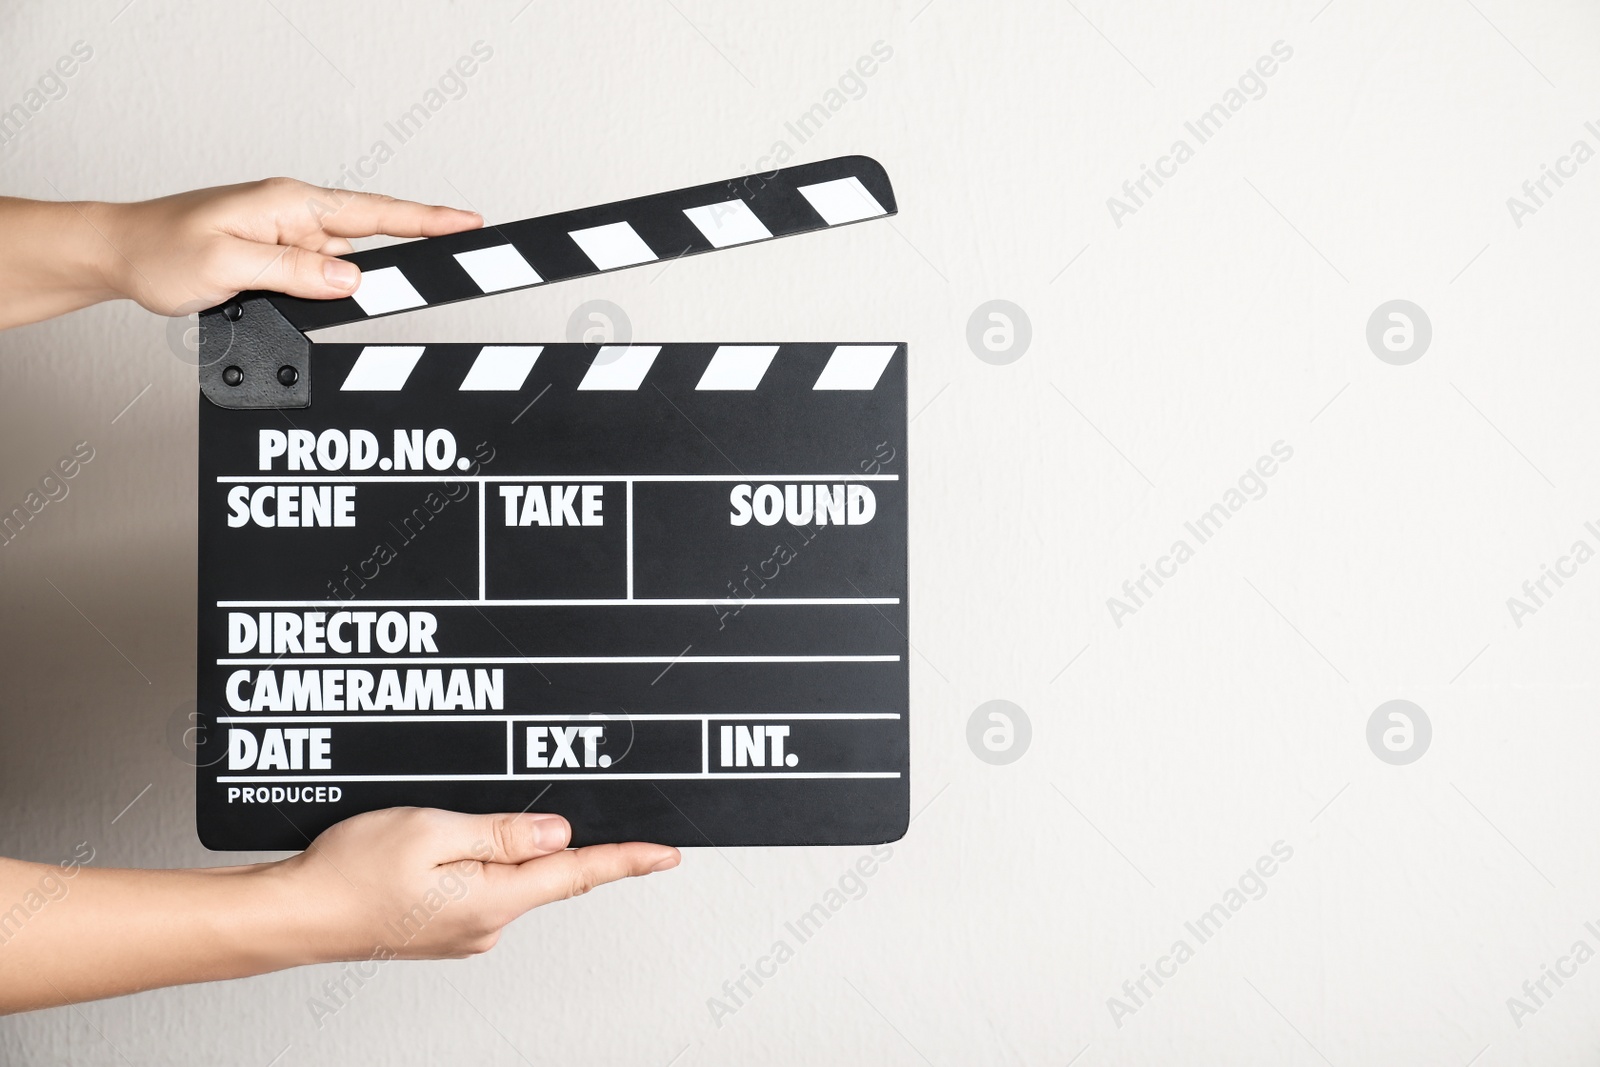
420 883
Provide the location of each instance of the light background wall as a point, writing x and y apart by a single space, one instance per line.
1167 354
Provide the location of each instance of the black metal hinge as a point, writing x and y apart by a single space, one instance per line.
251 357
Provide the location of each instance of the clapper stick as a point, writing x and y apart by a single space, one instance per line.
250 355
659 589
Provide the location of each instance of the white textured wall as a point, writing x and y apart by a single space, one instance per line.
1227 314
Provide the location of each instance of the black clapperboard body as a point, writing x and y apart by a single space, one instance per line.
657 588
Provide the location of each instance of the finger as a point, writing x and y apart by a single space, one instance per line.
317 241
366 214
502 838
570 874
241 264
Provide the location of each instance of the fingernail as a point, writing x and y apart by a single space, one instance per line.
549 831
667 864
341 274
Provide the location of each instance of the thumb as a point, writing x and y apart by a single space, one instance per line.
287 269
502 838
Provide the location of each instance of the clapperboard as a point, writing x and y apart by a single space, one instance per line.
659 589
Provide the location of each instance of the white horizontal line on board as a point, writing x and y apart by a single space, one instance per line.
312 716
688 602
566 479
411 661
288 779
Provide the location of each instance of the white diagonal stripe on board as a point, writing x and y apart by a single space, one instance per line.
614 245
728 223
842 200
855 367
384 290
382 368
619 367
501 368
497 268
737 367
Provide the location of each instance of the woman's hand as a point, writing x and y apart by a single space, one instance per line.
198 249
407 883
184 253
418 883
